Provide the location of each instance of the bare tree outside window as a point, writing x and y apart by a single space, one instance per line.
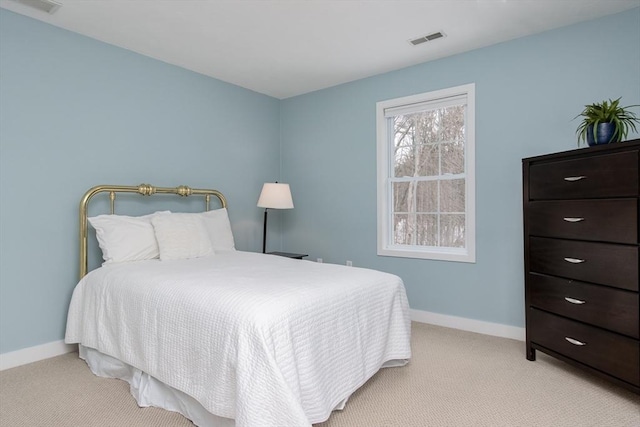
429 201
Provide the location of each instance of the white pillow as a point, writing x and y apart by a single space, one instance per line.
181 236
126 238
217 224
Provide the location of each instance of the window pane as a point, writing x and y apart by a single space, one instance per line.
402 230
452 157
404 159
452 119
402 196
427 196
423 123
452 195
452 231
427 160
427 227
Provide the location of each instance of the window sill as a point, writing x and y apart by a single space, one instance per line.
442 255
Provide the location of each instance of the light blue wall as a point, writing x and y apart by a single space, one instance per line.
527 93
75 113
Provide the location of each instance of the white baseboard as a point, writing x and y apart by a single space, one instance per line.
471 325
34 354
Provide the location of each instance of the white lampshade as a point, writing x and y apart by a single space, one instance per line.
275 196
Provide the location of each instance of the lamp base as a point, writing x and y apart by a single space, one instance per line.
264 233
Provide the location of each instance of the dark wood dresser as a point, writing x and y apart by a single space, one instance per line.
581 259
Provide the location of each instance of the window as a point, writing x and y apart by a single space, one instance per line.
426 177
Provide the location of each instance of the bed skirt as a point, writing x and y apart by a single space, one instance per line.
150 392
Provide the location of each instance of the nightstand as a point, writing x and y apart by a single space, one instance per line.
288 255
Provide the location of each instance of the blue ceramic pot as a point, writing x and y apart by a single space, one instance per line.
604 134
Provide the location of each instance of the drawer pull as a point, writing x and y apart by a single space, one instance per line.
574 301
574 341
574 260
574 178
572 219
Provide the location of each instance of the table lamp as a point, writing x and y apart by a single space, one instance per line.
273 196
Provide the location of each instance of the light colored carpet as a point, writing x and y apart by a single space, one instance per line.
455 378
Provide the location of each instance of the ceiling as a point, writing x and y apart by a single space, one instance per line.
284 48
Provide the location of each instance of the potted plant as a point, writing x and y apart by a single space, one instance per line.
606 122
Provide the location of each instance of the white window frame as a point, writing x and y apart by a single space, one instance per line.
385 169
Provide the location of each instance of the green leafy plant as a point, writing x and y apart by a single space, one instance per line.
607 112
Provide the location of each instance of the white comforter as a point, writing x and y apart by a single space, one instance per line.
262 339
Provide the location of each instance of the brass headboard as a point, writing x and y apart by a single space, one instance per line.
145 190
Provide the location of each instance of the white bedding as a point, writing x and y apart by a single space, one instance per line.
265 340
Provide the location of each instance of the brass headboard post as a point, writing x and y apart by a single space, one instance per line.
112 202
143 189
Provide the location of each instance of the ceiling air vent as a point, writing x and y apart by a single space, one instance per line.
427 38
48 6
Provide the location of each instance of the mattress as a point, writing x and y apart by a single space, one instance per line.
260 339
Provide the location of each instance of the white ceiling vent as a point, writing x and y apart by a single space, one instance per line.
427 38
48 6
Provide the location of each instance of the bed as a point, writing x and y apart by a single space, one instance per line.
223 336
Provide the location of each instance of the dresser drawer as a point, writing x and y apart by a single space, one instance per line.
603 263
611 175
606 351
606 220
608 308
